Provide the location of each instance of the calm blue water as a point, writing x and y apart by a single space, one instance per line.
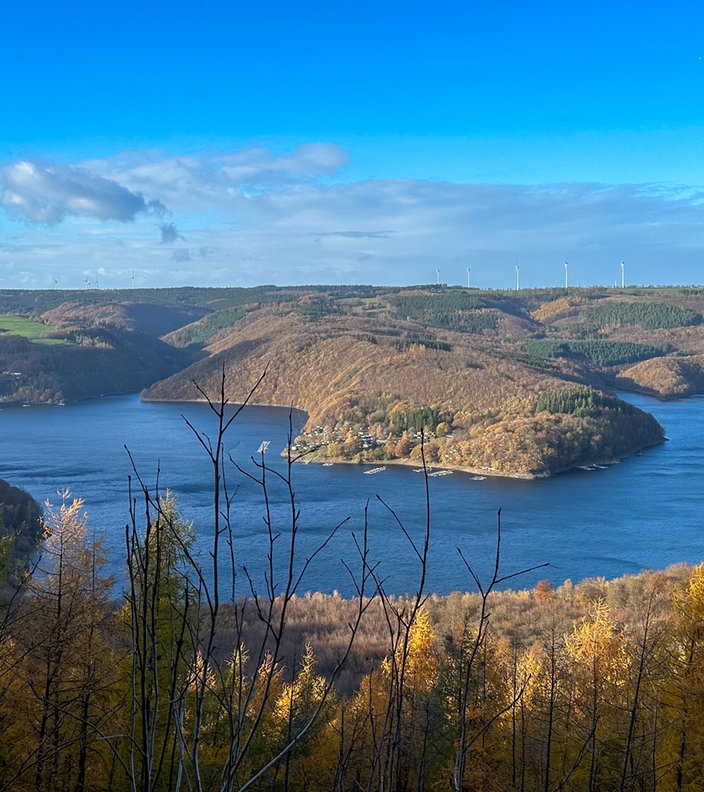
642 513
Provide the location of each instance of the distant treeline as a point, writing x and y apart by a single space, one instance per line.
408 340
315 308
649 315
204 330
464 311
581 400
598 351
36 301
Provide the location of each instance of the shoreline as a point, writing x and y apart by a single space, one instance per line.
288 407
485 472
312 457
412 463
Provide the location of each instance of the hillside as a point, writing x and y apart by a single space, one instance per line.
510 383
21 529
373 372
93 352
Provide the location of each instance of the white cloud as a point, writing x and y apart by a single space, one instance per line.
253 216
221 179
48 193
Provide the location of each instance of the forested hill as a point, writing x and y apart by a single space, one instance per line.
76 351
499 382
21 529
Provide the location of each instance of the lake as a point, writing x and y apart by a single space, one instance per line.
642 513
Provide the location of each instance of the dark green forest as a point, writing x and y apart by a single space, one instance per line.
651 316
600 351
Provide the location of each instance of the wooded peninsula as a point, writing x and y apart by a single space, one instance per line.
499 383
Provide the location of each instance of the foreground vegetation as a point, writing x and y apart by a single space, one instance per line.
208 676
596 686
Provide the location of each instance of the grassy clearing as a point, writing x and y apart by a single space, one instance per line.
368 306
31 329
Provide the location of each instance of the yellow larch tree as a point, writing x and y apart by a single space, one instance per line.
683 694
599 668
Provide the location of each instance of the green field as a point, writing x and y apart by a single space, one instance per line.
31 329
368 306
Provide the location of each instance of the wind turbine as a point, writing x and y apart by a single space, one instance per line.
518 278
469 286
567 280
623 276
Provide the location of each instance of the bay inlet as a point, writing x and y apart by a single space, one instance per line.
644 512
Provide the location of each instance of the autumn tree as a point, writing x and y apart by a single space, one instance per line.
599 664
62 698
312 758
469 653
647 670
161 616
196 715
684 691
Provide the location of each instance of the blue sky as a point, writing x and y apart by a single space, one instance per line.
231 143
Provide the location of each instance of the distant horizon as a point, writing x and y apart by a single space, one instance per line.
562 288
234 145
